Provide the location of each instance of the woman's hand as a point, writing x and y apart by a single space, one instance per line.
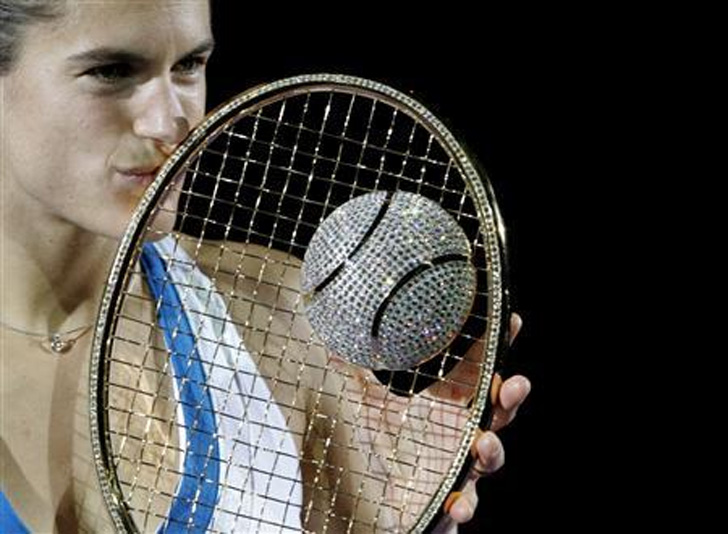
508 396
423 430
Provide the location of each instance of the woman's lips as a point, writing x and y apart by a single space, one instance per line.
138 177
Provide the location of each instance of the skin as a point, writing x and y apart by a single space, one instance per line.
262 293
84 130
87 132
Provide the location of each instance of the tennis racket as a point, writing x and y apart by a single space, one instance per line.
289 355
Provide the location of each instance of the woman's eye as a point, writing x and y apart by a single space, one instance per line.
111 73
190 65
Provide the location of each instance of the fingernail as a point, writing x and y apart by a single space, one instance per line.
461 510
525 385
486 447
451 500
521 387
515 326
495 388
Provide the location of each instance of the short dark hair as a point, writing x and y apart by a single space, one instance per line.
15 16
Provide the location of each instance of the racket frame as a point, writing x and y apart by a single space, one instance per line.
480 191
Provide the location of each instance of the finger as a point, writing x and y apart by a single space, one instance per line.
462 380
490 453
513 392
515 327
511 395
489 457
463 504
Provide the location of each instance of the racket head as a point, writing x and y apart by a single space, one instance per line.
259 174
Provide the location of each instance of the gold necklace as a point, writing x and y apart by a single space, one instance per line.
55 342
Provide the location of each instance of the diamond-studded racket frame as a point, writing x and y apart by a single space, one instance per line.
488 242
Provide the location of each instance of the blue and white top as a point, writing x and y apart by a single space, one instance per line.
241 468
10 523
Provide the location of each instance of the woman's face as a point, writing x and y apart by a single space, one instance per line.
96 101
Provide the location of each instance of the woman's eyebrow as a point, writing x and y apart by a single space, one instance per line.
203 48
106 54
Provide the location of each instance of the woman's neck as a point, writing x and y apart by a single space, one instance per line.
52 272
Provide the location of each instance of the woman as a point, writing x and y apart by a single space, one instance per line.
95 97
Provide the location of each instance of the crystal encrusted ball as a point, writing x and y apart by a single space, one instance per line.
388 280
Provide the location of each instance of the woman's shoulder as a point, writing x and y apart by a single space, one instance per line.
240 266
262 291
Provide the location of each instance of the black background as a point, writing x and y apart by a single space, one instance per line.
515 91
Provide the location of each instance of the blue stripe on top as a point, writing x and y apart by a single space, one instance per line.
194 503
10 523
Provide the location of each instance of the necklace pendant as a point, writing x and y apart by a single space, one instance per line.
59 345
58 342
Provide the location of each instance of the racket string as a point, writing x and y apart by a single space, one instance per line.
301 159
